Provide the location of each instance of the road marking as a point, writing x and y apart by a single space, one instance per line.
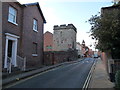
87 81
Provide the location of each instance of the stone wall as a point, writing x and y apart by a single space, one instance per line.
64 37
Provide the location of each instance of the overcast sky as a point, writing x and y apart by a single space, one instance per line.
77 12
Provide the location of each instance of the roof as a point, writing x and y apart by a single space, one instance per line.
37 4
47 32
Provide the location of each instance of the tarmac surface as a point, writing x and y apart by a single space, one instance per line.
17 77
67 76
100 78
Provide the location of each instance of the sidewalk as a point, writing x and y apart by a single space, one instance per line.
100 77
20 76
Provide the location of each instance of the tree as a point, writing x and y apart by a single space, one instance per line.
106 29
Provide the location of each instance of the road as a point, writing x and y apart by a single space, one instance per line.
66 76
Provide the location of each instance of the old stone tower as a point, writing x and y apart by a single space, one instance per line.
64 37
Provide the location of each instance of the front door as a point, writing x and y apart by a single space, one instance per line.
11 49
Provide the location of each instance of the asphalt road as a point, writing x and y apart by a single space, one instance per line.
66 76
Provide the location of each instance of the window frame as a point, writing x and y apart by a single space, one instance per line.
35 25
36 51
13 15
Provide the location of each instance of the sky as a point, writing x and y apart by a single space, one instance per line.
76 12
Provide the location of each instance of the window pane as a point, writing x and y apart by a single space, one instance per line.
11 17
14 19
34 21
35 27
12 11
34 24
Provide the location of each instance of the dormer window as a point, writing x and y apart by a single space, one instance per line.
35 25
12 15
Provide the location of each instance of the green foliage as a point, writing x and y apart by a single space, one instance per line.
117 79
106 29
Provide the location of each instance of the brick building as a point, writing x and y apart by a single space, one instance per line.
48 41
22 37
64 45
64 37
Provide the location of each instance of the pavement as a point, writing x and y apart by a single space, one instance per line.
20 76
100 78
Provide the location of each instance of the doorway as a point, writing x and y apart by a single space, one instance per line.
11 49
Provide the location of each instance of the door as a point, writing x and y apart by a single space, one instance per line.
9 48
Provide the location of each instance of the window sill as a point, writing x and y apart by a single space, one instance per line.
35 55
35 30
13 22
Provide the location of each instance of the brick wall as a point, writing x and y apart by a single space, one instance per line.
54 57
30 36
24 29
8 27
48 41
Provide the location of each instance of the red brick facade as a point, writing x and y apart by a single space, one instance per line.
48 41
24 29
8 27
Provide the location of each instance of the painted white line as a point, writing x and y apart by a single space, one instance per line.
87 81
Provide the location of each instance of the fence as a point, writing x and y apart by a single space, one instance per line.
9 64
116 65
21 63
113 66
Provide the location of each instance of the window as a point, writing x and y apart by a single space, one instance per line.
35 28
12 15
34 49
